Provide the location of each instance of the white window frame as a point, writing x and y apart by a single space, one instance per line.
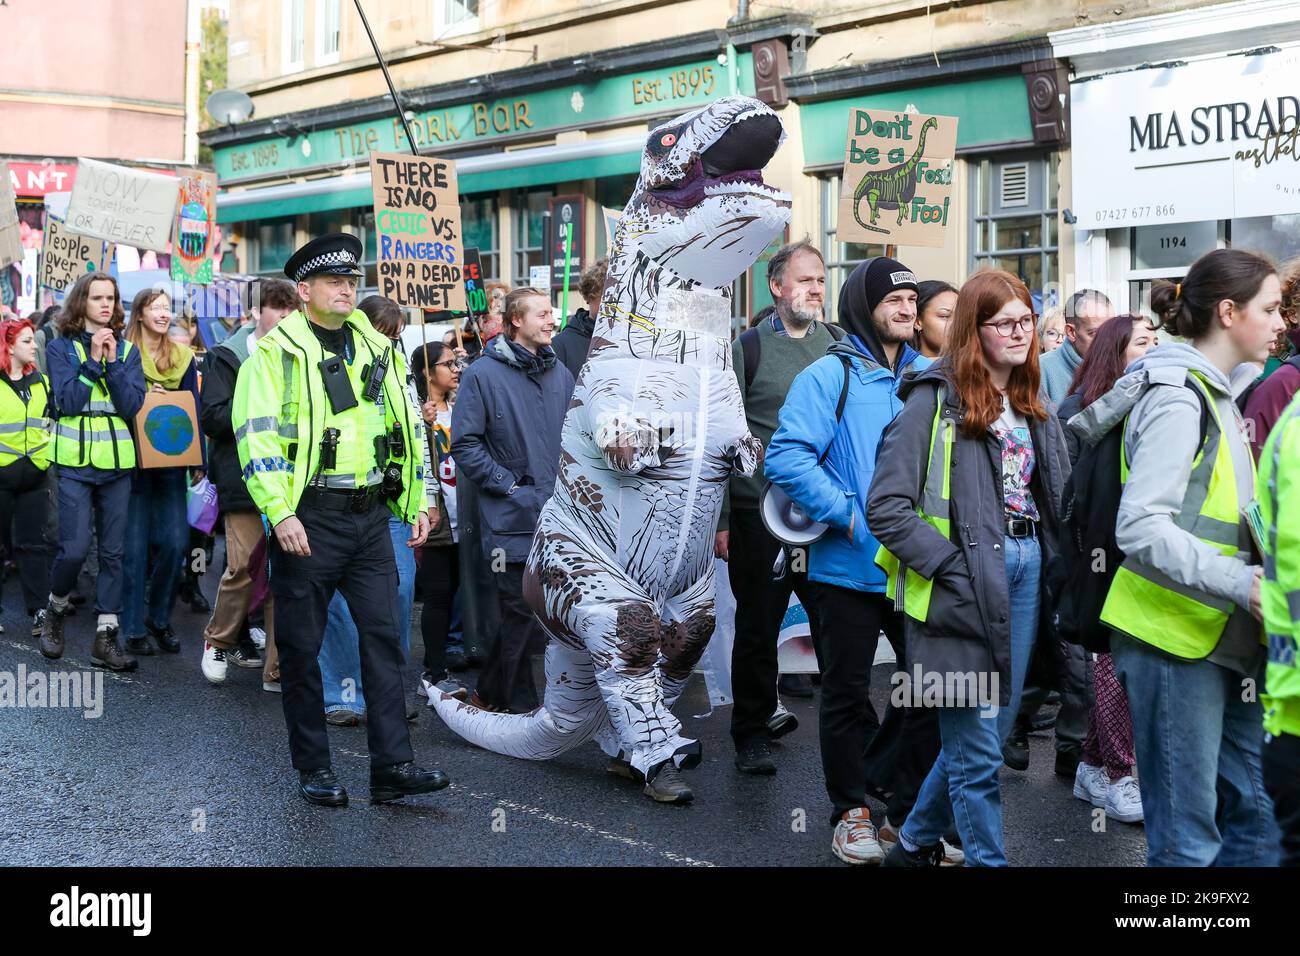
287 62
325 57
443 24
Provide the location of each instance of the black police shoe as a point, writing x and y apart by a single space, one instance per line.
322 788
139 646
165 637
404 780
1015 752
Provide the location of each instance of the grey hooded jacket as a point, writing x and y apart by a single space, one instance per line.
1161 443
968 628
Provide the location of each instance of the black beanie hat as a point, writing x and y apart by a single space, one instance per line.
884 276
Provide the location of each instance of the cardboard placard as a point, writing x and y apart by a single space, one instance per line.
567 211
11 243
897 182
476 303
418 237
123 205
66 256
167 431
195 228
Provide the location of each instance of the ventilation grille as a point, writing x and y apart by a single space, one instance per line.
1015 185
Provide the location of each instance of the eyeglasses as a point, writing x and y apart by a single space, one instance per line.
449 364
1025 324
1056 334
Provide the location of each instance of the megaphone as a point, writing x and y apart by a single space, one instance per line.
786 521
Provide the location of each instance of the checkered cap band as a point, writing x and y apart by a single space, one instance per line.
339 257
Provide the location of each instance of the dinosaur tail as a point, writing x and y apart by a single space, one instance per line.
573 712
857 204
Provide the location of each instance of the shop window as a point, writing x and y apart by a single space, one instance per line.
272 246
612 193
1275 236
1014 226
478 224
529 232
292 35
328 17
841 257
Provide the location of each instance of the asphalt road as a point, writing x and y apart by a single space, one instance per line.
176 771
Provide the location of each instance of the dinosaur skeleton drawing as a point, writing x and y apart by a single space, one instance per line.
891 188
621 572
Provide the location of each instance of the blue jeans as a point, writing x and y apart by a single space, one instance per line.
340 654
1198 750
157 537
963 783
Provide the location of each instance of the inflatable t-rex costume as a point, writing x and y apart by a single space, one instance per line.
621 573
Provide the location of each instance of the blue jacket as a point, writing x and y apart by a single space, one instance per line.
834 490
505 429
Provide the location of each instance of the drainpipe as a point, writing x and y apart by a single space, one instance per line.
193 40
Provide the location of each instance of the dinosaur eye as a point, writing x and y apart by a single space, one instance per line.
668 139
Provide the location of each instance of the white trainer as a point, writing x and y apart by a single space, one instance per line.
1124 802
855 840
258 637
214 663
1091 784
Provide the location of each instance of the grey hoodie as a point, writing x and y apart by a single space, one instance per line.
1164 427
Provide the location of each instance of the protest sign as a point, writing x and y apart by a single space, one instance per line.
475 294
195 227
66 256
123 205
11 244
167 431
897 182
418 237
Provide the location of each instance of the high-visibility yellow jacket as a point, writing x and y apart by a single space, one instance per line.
25 429
280 413
97 435
1278 491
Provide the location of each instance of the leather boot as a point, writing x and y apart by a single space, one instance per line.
403 780
52 634
105 652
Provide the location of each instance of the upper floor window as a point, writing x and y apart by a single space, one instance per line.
456 16
328 18
1014 226
293 35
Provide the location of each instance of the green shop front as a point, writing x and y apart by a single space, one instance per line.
1010 132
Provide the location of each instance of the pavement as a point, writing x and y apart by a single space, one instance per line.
176 771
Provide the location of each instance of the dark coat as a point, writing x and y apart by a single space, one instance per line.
968 629
1070 406
574 342
223 457
505 432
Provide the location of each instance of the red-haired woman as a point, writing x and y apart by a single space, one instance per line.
1104 776
24 460
966 499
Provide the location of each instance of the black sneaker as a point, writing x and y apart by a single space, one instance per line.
795 685
245 655
755 756
139 646
1067 761
1015 752
922 856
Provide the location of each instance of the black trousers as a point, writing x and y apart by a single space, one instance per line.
1281 761
1071 674
353 554
760 605
439 578
507 676
851 622
24 506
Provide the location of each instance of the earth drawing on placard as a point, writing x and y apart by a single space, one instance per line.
169 430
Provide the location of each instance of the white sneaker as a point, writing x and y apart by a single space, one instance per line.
855 840
214 663
1091 784
258 637
1124 802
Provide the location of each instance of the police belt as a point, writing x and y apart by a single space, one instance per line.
355 500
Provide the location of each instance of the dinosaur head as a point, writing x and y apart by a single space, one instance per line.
701 210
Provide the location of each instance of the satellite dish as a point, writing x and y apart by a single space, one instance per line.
228 107
786 521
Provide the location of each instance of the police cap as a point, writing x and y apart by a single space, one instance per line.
336 254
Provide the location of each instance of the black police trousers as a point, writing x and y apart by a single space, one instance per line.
353 554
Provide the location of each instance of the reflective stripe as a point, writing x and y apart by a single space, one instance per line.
255 425
1162 580
1293 604
1281 650
42 423
91 431
373 477
1214 530
267 464
6 450
12 427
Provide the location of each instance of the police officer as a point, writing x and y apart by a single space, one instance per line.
326 440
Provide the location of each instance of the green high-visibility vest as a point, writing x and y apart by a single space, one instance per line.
97 435
1150 606
24 429
935 510
1278 490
